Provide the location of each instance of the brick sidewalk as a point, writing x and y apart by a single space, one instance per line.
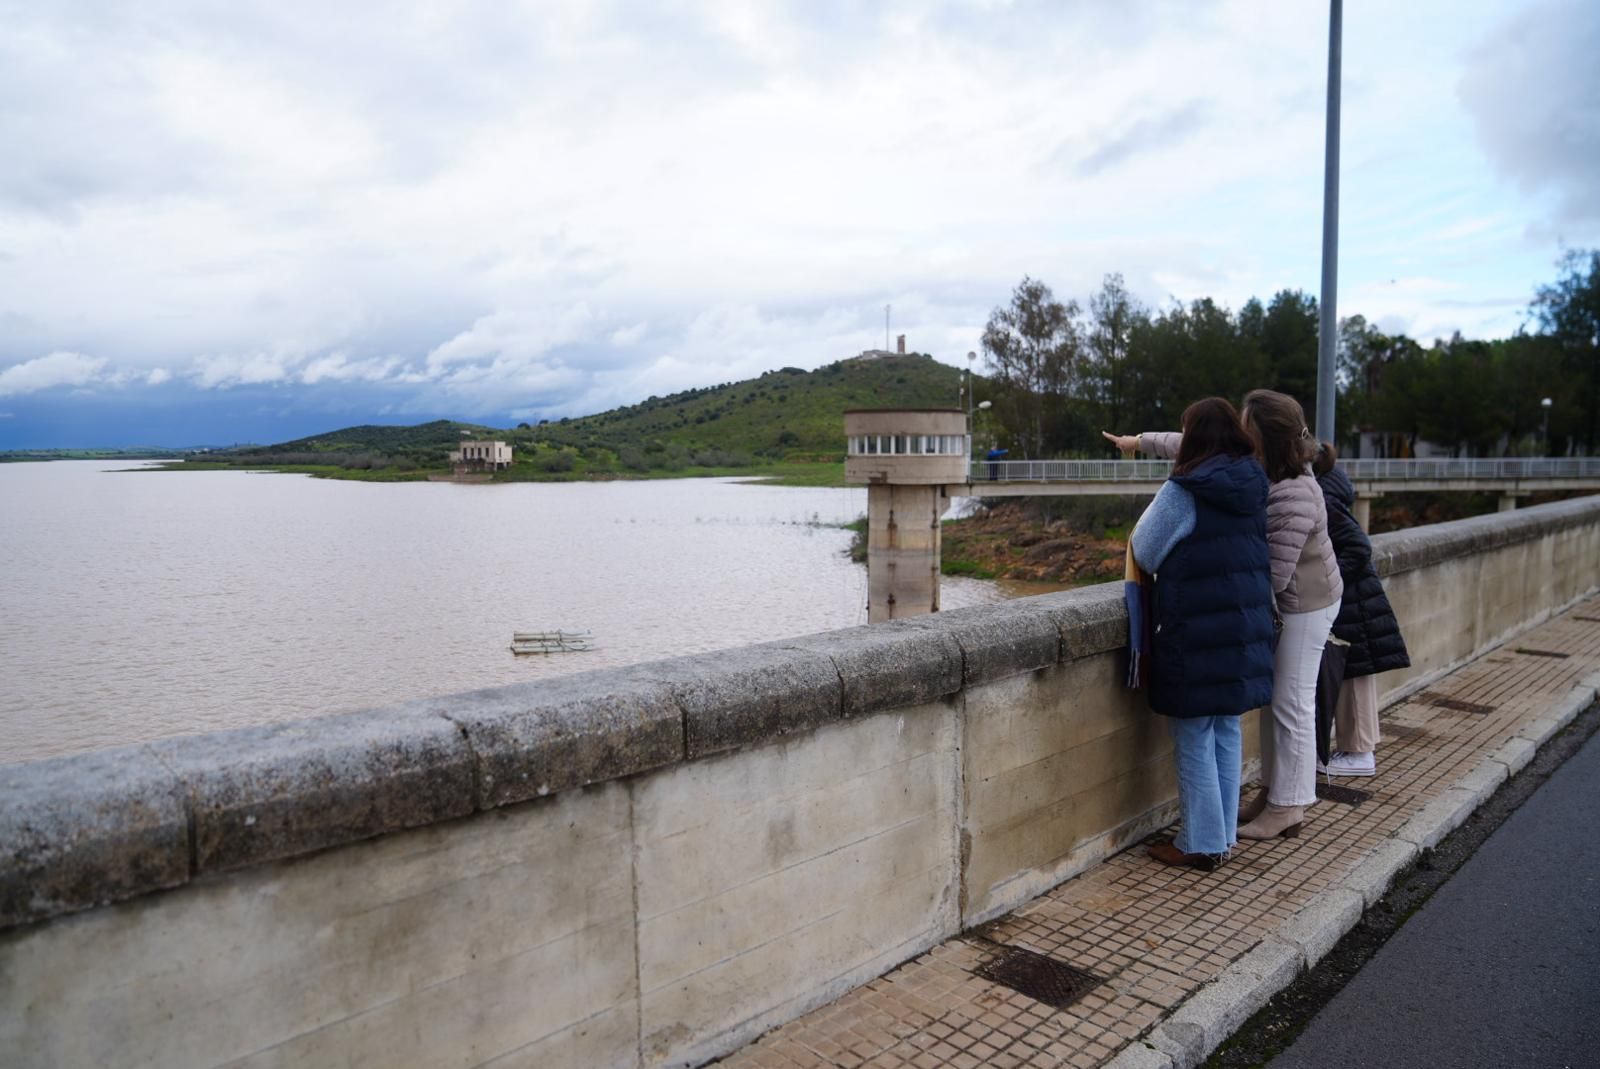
1150 937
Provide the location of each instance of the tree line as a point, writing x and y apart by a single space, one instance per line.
1060 371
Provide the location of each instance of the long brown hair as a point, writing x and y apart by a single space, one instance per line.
1327 456
1210 427
1278 424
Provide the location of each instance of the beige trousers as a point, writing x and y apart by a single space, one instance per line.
1355 716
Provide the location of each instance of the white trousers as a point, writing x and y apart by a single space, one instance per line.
1289 725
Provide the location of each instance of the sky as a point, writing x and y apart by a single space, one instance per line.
250 222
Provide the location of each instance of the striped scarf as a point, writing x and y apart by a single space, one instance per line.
1138 591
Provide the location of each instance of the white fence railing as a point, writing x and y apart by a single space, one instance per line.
1499 468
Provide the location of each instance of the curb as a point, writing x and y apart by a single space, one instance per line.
1200 1025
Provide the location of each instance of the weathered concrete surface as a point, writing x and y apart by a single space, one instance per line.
533 739
750 696
1051 762
511 931
82 831
1373 876
889 666
1462 587
1096 620
260 794
1218 1009
998 641
822 862
1323 923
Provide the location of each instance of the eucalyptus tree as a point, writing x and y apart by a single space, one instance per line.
1034 349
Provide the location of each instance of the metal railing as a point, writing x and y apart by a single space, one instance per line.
1061 471
1494 468
1474 468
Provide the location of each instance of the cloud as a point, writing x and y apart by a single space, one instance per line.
1532 87
338 367
45 372
555 207
1152 133
249 369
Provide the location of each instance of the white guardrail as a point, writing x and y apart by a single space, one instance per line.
1507 468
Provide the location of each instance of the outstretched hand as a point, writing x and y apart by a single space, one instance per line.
1128 443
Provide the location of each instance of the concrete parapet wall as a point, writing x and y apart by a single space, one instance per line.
639 867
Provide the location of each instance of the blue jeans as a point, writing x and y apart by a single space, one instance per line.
1209 753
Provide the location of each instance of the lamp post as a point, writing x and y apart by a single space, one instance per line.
1545 404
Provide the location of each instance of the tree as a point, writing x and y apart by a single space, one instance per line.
1569 311
1033 347
1525 366
1287 335
1113 317
1461 408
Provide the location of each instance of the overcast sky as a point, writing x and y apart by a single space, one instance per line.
247 222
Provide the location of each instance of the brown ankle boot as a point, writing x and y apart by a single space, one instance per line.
1167 852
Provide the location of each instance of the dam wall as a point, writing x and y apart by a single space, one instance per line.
638 867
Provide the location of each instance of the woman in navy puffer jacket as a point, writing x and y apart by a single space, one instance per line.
1205 539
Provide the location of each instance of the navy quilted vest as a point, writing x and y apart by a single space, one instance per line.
1214 632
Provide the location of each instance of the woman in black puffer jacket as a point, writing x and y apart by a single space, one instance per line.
1366 621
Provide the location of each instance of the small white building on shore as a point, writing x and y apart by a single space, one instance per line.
481 456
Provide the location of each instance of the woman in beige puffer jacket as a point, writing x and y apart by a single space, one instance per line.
1305 579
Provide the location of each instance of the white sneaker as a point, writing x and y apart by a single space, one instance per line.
1350 764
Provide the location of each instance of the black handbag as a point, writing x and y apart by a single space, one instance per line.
1330 677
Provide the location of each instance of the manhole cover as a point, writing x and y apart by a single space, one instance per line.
1043 979
1542 653
1346 795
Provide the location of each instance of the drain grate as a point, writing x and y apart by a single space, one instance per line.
1405 731
1347 795
1542 653
1055 983
1588 619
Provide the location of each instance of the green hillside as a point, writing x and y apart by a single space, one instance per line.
784 418
439 436
780 414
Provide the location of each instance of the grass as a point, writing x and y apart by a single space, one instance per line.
969 568
777 473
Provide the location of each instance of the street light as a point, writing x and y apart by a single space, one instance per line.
1545 404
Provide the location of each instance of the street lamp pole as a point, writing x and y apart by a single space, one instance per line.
1545 404
1329 325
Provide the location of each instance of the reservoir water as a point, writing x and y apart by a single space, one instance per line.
136 605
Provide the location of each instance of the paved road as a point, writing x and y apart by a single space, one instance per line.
1501 967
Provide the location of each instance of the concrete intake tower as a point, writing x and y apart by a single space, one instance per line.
907 458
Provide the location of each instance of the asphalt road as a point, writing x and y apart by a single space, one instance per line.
1500 969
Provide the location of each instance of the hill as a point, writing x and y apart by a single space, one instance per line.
785 415
779 414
